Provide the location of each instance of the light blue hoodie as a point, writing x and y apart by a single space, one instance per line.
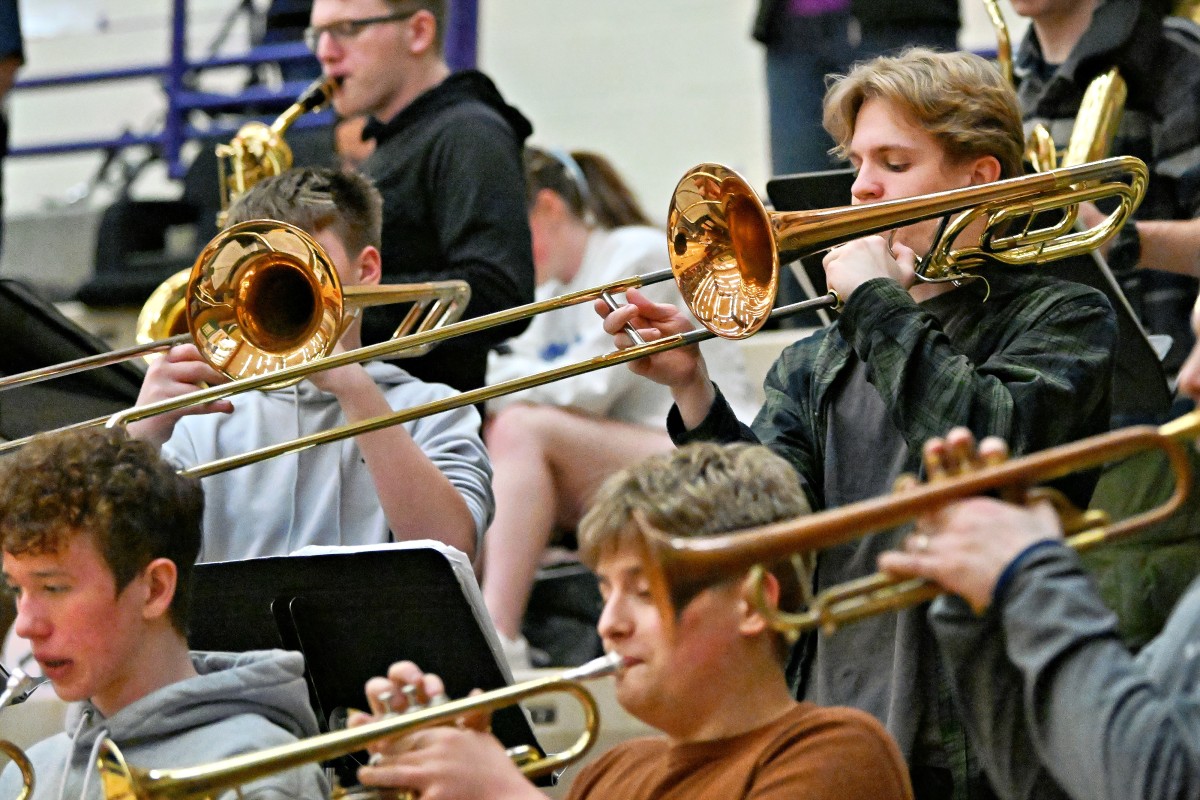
239 703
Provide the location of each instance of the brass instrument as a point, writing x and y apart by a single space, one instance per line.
1189 9
1098 119
678 565
261 296
259 151
725 253
1004 57
17 688
121 782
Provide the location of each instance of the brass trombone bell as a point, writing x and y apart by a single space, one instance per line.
119 781
677 566
719 229
724 250
260 297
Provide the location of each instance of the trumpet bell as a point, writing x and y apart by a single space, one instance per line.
264 297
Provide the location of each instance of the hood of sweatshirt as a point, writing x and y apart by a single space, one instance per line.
237 703
459 87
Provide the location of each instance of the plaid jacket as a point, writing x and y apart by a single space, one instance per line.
1032 364
1160 125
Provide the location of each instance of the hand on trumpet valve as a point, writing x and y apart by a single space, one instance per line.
850 265
966 545
179 371
459 760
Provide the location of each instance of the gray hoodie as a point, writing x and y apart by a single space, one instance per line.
1057 706
239 703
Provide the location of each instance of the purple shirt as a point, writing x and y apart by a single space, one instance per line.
813 8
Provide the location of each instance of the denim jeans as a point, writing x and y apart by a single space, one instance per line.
802 52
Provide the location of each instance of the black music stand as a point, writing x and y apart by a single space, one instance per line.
35 335
352 612
1139 382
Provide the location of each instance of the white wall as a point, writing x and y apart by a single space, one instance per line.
658 85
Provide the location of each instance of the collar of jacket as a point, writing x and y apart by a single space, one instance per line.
1122 34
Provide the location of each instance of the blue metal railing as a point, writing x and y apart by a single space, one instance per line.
460 44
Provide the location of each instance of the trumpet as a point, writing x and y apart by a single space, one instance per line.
725 258
259 151
679 565
122 782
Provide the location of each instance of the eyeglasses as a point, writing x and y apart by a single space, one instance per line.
345 29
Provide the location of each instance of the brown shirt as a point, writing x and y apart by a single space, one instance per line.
812 752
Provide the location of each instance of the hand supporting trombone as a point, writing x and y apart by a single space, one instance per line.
676 564
120 782
725 253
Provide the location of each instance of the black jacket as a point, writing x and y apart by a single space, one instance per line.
868 12
450 170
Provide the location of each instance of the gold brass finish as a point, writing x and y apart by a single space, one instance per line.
718 231
261 297
1040 151
28 779
1189 9
164 314
258 150
121 782
1004 57
1098 119
678 565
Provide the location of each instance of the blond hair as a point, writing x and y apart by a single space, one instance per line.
960 98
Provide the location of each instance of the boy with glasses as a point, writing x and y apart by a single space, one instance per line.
447 160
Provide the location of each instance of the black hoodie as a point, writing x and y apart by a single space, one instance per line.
450 171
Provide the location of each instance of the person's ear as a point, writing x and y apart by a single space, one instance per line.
985 169
370 266
757 598
421 32
160 578
548 203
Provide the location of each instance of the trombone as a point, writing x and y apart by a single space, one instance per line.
261 296
725 254
122 782
677 565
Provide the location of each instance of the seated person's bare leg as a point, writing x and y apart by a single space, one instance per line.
548 462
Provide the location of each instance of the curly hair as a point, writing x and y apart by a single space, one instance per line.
961 99
115 489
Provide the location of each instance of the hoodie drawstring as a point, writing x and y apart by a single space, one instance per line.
84 718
